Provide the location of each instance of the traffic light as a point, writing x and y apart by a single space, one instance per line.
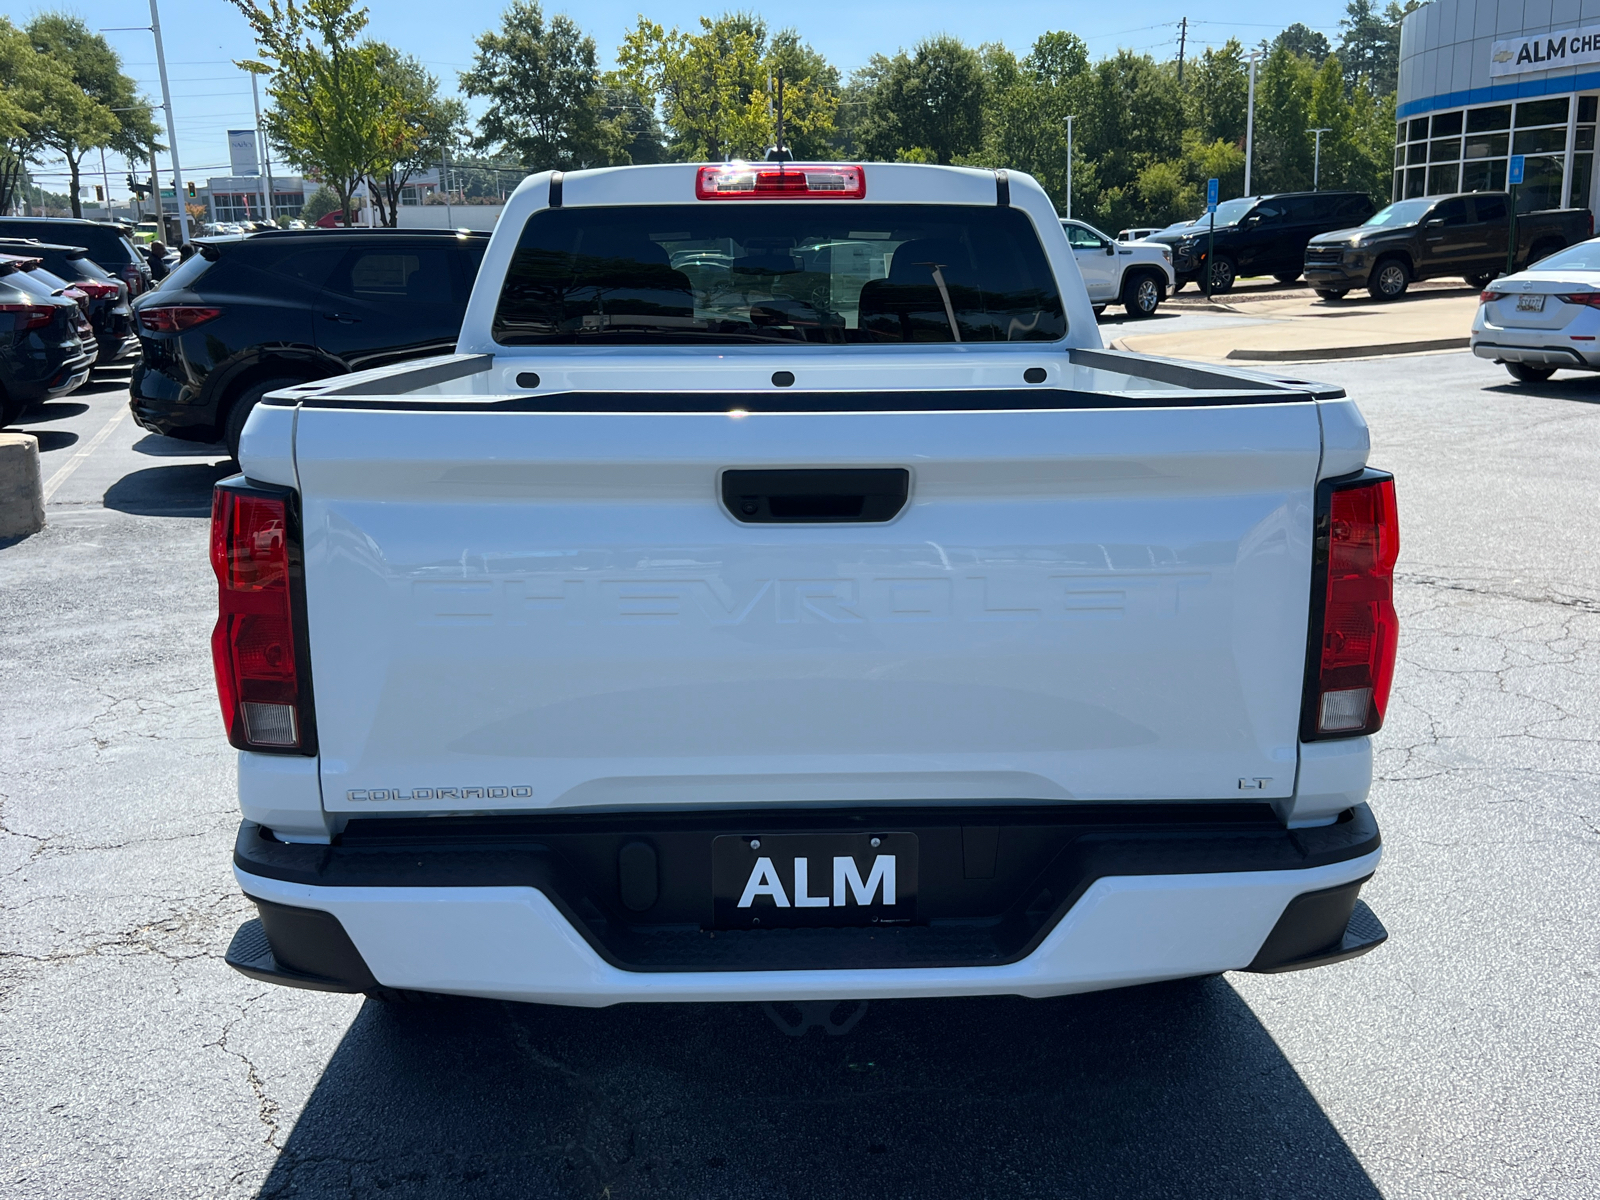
140 188
191 191
99 193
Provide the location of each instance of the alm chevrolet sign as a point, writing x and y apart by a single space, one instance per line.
1545 52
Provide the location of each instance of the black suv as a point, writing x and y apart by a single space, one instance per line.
1262 235
41 350
241 318
107 245
109 314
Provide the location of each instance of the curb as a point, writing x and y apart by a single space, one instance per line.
1335 352
21 489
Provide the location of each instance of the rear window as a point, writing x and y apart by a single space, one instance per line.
186 272
753 273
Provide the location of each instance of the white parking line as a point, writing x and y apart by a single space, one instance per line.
76 461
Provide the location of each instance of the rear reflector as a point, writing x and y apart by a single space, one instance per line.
254 646
1354 624
781 181
176 318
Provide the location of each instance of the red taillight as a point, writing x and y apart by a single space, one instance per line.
253 645
30 316
1591 299
1358 539
78 296
98 291
1490 297
135 281
780 181
175 319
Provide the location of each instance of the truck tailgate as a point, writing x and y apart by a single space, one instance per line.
536 609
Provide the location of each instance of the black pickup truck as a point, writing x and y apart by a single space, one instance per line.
1430 236
1259 235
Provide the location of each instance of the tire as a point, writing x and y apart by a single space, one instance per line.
1528 373
1142 294
1543 249
1224 271
1287 278
1331 294
239 411
1478 281
1389 279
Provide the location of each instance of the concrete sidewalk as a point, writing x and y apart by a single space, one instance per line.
1302 328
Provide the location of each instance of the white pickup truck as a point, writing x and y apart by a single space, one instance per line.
782 596
1136 274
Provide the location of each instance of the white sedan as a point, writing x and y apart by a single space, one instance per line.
1545 317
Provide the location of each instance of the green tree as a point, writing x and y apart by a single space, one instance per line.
715 87
1370 45
329 97
546 97
1218 88
319 204
1307 43
927 106
107 110
418 125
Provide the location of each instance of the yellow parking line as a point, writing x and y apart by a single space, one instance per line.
76 461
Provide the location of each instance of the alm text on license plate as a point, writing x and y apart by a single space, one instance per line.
813 879
1530 303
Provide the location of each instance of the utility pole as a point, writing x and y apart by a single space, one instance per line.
261 148
1316 161
1183 39
1249 121
444 182
172 129
1069 168
155 194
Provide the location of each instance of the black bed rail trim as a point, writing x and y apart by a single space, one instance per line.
791 400
1043 860
1198 376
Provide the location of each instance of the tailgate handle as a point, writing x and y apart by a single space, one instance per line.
823 495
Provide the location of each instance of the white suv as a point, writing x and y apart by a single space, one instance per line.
1137 275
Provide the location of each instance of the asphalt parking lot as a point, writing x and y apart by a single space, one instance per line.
1460 1059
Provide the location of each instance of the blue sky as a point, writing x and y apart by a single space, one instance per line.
210 96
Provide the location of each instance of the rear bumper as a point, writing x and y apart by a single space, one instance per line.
1120 909
1534 348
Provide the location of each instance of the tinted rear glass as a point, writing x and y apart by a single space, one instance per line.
185 273
750 273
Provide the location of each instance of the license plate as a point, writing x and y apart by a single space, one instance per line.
1530 303
787 881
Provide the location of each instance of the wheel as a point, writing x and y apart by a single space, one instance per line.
1478 281
1223 272
1331 294
1099 310
1390 279
1287 278
1543 249
1528 373
233 427
1142 295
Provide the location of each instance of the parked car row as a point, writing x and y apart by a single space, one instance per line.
45 337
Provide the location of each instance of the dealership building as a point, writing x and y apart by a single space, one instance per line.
1481 80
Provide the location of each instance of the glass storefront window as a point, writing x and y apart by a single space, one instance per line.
1540 141
1542 112
1487 145
1444 149
1582 176
1484 120
1419 129
1442 180
1417 153
1487 176
1445 124
1416 182
1586 107
1541 184
1399 156
1585 138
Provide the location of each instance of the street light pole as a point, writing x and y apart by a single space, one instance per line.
172 130
1069 168
1316 161
1249 122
